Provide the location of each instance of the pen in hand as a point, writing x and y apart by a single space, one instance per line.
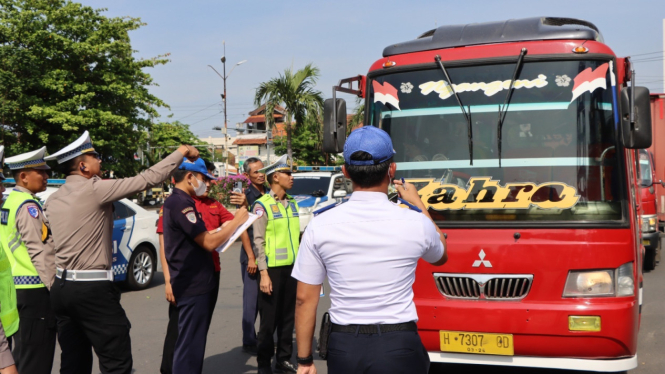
403 184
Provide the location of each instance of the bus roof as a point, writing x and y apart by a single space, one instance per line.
512 30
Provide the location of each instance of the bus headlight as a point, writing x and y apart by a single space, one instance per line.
648 224
610 282
589 283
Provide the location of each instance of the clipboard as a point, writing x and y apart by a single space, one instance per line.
224 246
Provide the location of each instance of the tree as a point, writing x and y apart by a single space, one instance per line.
66 68
295 92
306 142
165 137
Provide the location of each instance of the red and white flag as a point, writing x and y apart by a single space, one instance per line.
589 80
386 94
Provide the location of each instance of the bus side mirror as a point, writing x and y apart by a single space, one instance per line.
636 129
334 129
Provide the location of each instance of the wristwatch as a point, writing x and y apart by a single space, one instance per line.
305 360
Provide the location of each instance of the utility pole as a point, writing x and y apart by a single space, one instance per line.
225 131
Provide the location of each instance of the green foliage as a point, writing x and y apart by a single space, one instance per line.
66 68
166 137
295 92
306 143
358 116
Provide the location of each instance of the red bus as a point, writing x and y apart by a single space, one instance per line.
521 137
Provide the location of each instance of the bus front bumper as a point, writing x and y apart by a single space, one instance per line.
540 330
614 365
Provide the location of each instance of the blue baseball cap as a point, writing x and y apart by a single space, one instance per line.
372 140
198 166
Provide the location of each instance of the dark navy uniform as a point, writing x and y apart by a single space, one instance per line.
192 279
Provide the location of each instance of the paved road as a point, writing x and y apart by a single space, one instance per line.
147 310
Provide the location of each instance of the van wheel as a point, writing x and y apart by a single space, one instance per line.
141 268
649 259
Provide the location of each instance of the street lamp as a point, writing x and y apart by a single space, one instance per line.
224 76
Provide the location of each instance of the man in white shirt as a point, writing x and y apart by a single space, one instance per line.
368 248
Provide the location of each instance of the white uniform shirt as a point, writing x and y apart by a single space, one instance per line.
368 248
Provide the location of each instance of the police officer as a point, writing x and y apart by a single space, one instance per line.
248 267
85 301
368 248
187 246
276 237
9 319
26 240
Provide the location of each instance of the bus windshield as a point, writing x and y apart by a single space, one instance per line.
558 158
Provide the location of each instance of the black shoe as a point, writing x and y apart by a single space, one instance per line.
285 367
250 349
265 370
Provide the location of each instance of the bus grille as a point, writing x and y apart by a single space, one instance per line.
484 286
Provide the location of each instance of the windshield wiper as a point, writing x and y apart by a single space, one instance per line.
504 109
437 58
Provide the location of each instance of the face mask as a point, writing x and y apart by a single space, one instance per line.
199 190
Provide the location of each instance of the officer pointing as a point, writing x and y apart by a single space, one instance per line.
26 240
368 248
86 303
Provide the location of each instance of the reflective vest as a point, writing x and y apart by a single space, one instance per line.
8 309
24 272
282 231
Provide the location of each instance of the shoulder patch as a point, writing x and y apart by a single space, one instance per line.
33 211
191 217
188 209
259 212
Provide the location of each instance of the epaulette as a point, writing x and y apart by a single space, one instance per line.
327 208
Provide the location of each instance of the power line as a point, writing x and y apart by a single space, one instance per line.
644 54
205 119
189 115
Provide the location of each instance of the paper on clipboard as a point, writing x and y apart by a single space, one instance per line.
224 246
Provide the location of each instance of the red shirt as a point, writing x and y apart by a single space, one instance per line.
213 215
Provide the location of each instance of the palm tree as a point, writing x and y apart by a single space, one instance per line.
295 92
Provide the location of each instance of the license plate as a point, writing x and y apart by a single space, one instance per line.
477 342
646 242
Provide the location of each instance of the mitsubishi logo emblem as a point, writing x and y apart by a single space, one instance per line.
477 263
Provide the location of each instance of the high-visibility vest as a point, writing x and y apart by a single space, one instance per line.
8 309
24 272
282 231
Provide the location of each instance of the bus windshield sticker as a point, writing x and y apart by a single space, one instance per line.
490 89
406 87
589 80
562 80
385 94
485 193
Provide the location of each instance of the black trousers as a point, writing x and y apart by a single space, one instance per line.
90 316
277 313
172 330
398 352
193 325
34 342
250 307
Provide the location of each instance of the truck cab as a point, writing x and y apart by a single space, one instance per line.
317 187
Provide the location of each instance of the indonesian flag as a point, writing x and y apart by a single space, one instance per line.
386 94
588 80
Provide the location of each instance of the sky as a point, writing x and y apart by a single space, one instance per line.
342 38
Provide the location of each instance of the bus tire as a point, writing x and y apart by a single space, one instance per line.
649 259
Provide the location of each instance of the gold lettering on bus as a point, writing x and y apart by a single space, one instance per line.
489 89
485 193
